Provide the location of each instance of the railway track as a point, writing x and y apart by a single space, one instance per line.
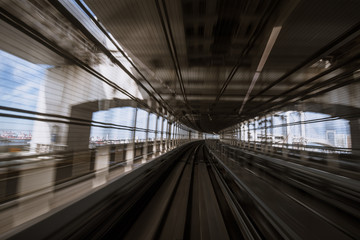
192 203
188 194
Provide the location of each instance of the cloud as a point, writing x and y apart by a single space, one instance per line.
20 81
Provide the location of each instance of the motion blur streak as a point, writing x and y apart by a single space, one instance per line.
179 119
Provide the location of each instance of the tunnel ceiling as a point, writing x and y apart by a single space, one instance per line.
208 59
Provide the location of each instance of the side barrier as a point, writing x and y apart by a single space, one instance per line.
337 158
49 179
319 183
60 222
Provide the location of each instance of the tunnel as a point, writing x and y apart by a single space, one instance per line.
179 119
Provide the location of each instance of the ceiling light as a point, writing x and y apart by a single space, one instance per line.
327 64
273 36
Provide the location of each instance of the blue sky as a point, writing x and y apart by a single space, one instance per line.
20 82
119 116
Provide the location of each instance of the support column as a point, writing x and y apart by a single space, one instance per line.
302 127
78 142
288 132
166 136
130 151
240 134
177 135
234 136
169 136
174 135
254 130
355 136
266 134
271 132
33 178
249 134
156 136
145 152
162 136
304 153
237 134
78 136
173 143
102 161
